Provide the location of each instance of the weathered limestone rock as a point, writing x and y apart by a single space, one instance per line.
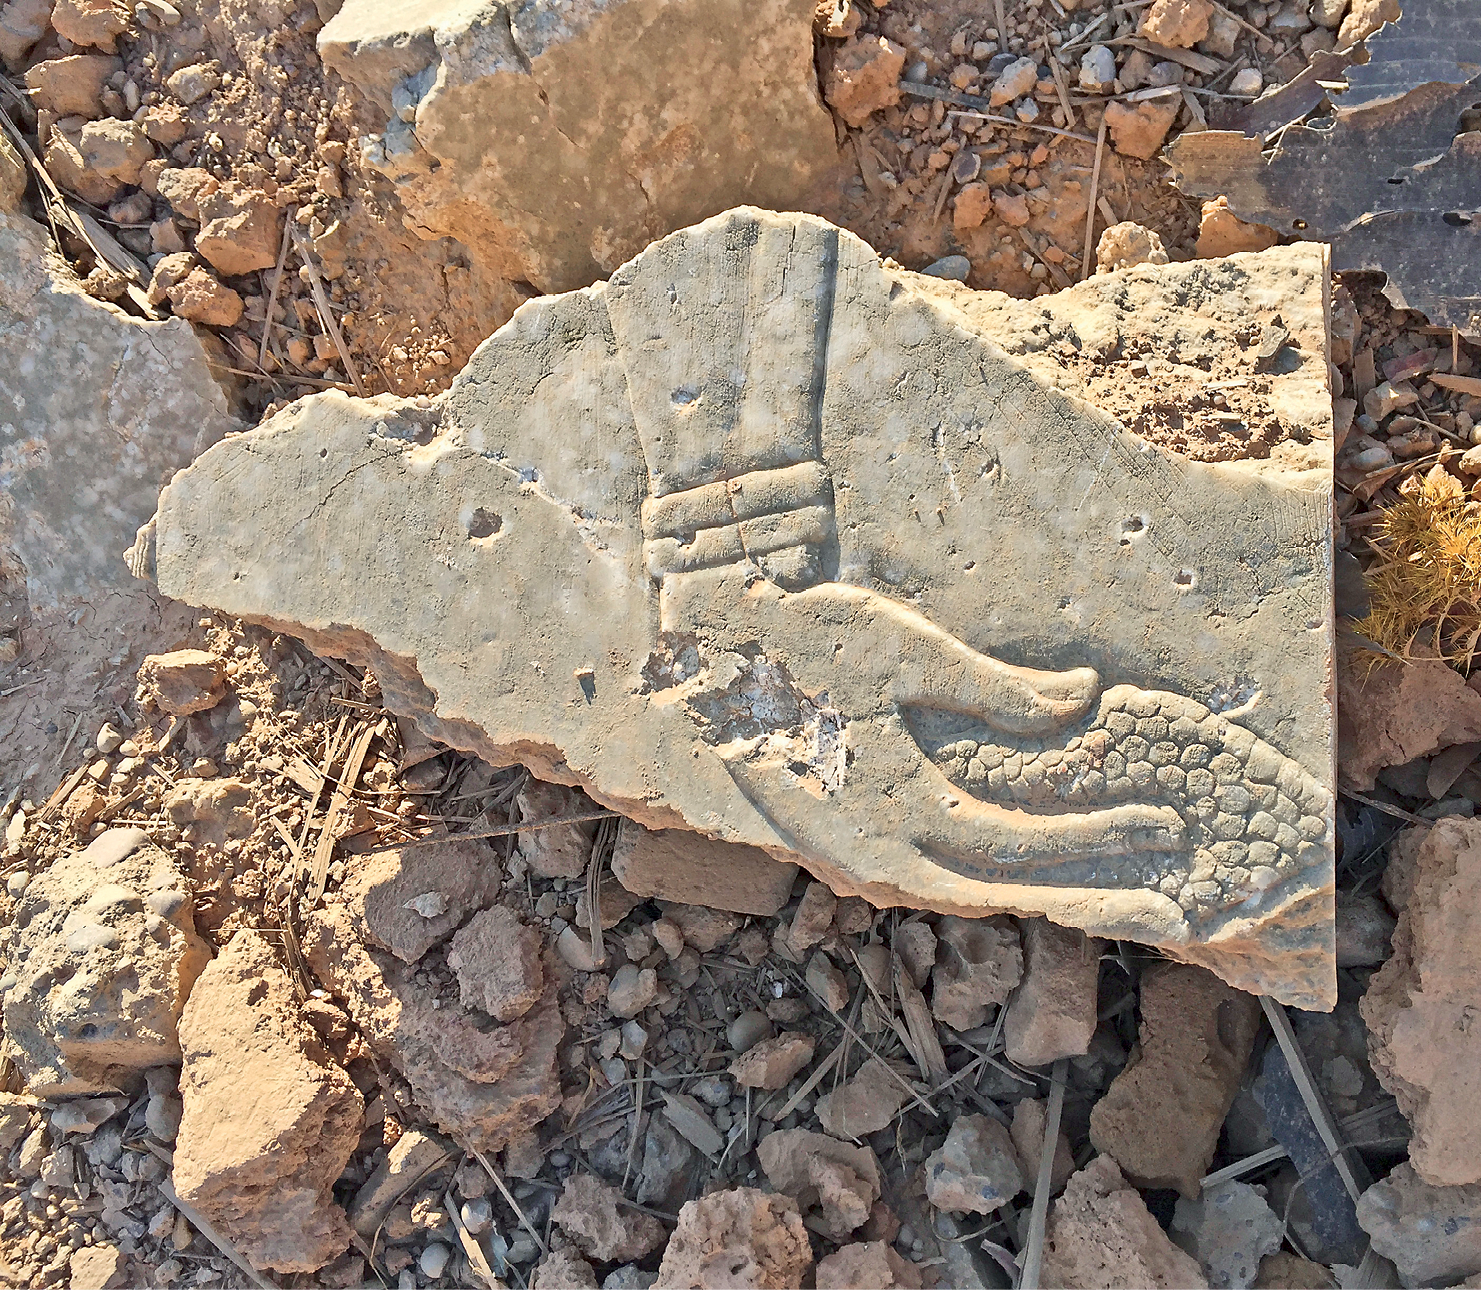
497 961
1052 1012
1433 1234
115 922
555 850
270 1121
1228 1230
98 1267
407 900
864 1105
743 1236
1100 1233
979 963
834 1183
564 1269
734 546
413 1157
976 1170
772 1062
866 1263
557 142
1390 715
182 682
588 1213
84 459
675 864
481 1085
1160 1118
1421 1007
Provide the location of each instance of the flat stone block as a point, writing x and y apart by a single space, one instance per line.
674 864
767 540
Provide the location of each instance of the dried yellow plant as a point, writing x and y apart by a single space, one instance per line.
1426 581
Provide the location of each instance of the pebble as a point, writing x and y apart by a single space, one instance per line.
954 268
434 1259
634 1040
632 990
745 1032
575 949
1247 82
109 739
1097 70
477 1215
1016 79
713 1090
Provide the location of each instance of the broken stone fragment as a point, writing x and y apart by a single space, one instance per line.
915 942
632 989
1015 80
241 229
71 86
772 1062
14 177
413 1157
497 961
976 1170
1161 1117
182 681
387 894
827 984
1221 232
1228 1229
813 917
834 1183
558 850
865 1104
1100 1233
979 963
557 187
1433 1234
970 209
1389 715
90 22
677 865
1420 1006
588 1212
98 1267
756 1238
864 78
22 24
735 670
866 1263
1124 245
704 930
483 1085
563 1269
1052 1013
270 1120
1138 129
115 922
1178 24
1364 930
1027 1132
202 299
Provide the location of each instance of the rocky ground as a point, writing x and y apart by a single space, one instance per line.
355 1048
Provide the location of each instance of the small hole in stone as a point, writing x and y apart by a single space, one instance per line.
484 523
1184 578
323 452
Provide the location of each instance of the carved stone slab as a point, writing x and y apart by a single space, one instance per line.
762 539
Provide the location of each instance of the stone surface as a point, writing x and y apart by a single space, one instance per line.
70 86
1051 1014
408 900
864 1105
1364 928
84 460
741 1237
1390 715
1422 1007
1285 1271
557 142
498 964
976 1170
1433 1234
1160 1118
835 1184
483 1084
675 864
978 963
98 1267
1228 1229
588 1213
772 1062
866 1263
270 1120
1100 1233
563 1269
631 513
114 921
